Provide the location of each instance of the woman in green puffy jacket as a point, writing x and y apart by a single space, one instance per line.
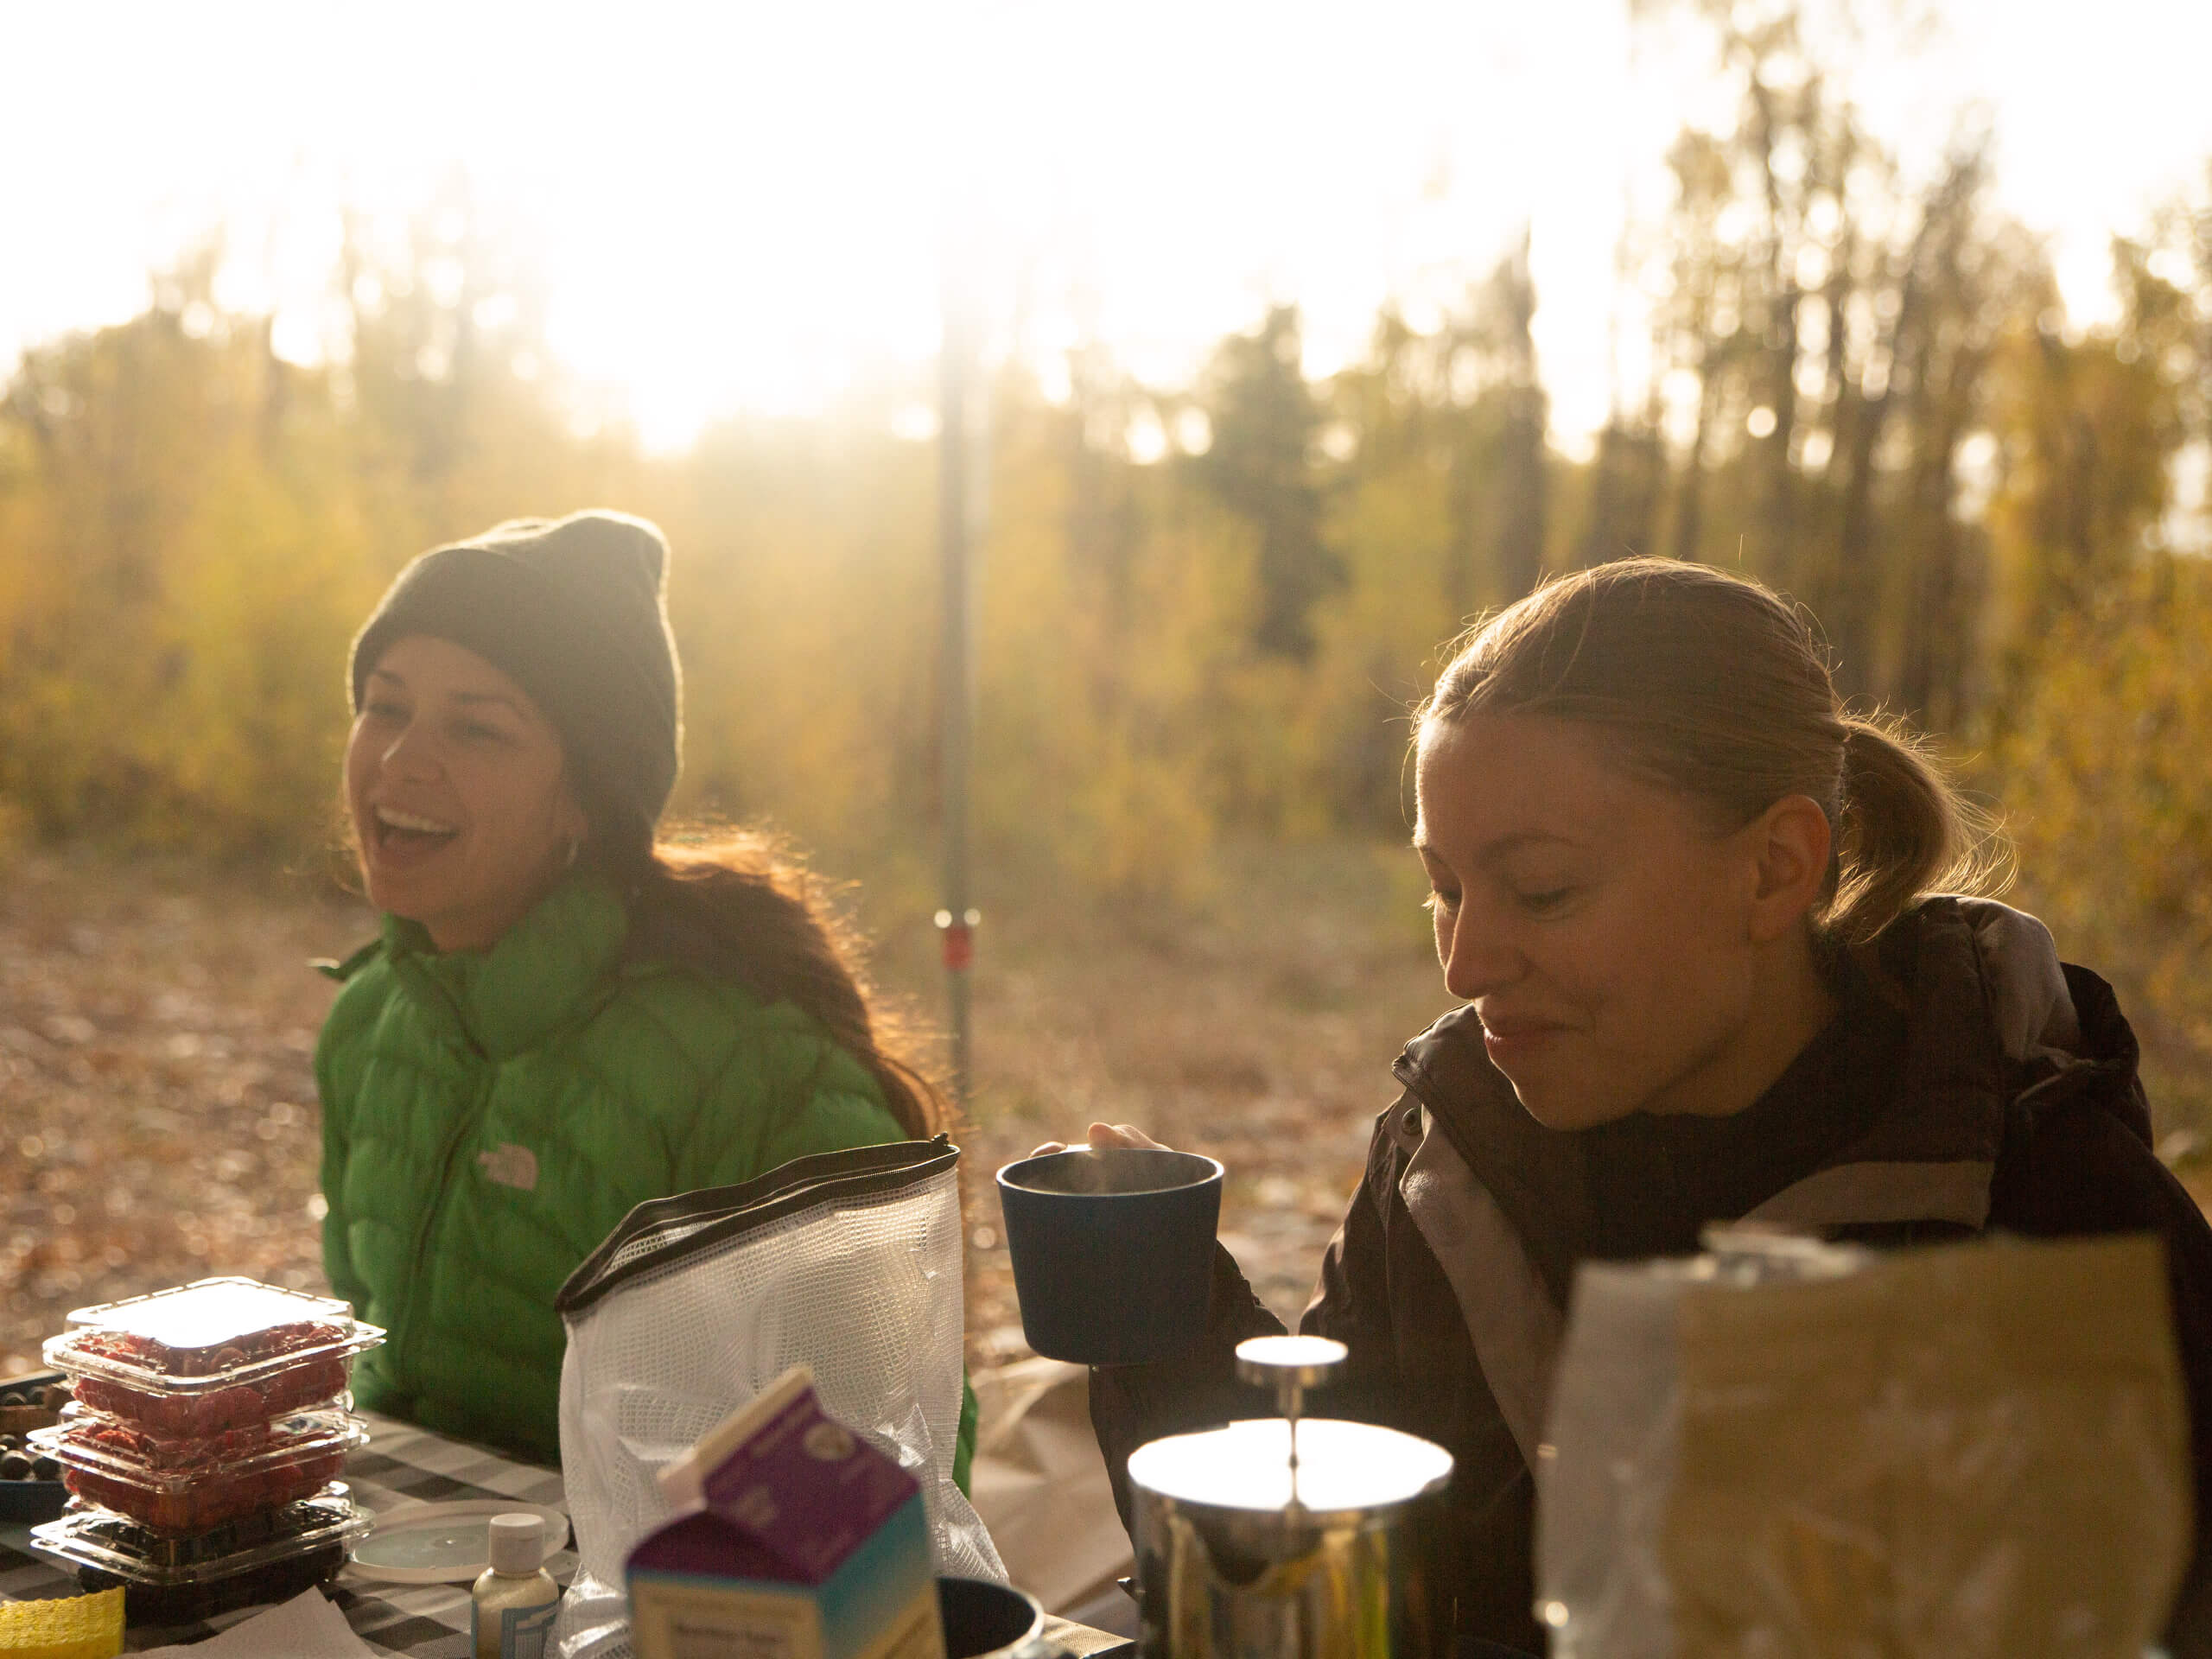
562 1017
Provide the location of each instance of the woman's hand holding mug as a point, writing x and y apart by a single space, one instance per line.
1103 1137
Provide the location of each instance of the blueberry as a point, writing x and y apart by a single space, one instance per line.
45 1469
12 1397
15 1466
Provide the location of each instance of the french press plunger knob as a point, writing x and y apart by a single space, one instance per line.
1289 1365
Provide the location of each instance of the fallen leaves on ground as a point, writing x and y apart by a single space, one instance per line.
1262 1037
158 1025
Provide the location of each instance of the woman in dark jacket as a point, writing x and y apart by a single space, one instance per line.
1690 907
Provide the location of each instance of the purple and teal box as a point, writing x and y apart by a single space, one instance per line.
802 1542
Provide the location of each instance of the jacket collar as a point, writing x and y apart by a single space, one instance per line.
1990 1017
1516 1158
548 967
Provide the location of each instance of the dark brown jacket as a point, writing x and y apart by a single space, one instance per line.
1971 1083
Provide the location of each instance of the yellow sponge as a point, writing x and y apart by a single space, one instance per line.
80 1627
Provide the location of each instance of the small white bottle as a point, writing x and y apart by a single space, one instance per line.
515 1601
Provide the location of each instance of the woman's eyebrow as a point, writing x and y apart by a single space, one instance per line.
474 698
1505 846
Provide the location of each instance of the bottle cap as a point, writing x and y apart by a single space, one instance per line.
518 1542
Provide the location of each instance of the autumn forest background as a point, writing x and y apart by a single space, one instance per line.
1203 612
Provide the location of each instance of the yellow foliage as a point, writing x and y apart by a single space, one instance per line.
1100 680
190 532
266 589
2110 802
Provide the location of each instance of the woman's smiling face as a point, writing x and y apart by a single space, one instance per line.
1611 942
461 806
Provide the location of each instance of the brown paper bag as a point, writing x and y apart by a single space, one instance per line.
1975 1452
1040 1484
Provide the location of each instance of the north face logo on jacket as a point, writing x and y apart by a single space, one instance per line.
510 1165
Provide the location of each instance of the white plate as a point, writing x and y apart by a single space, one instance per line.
447 1543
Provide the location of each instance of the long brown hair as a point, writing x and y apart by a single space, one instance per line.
740 908
1715 685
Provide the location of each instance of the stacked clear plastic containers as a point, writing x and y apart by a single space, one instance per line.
209 1426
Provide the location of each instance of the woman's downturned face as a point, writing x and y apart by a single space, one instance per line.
460 797
1604 931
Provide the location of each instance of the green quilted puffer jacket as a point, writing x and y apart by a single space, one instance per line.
488 1118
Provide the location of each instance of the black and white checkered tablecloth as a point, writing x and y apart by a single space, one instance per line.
401 1464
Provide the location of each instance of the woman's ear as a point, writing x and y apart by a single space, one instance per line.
1790 841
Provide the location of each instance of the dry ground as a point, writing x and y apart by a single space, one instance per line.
157 1112
158 1121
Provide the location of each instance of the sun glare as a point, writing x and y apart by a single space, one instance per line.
752 208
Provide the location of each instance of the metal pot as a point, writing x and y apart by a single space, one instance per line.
982 1620
1283 1538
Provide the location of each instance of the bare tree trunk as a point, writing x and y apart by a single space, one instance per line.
1690 494
1858 575
1520 545
1519 548
1778 513
1623 495
1464 549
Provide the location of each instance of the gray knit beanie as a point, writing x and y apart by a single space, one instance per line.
575 611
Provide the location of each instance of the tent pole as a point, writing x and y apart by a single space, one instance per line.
957 921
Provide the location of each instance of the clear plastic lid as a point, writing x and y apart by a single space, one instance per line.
99 1538
87 1441
212 1334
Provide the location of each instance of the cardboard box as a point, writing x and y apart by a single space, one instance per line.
794 1539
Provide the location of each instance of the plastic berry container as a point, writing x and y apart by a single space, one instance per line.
215 1354
186 1487
266 1556
31 1486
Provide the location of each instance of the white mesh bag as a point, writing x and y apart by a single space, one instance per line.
848 1263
